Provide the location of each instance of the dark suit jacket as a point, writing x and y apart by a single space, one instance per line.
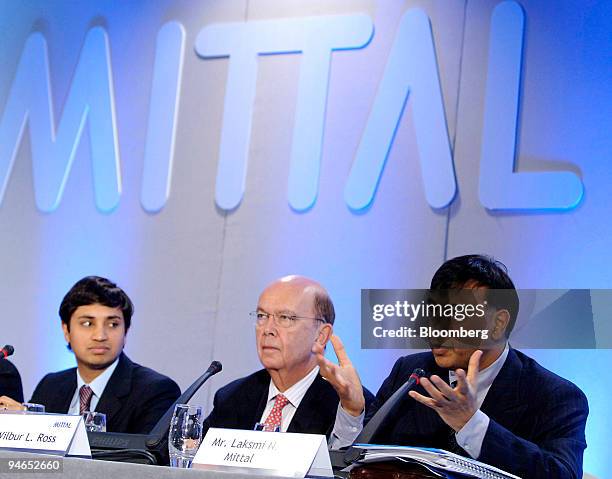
133 400
10 381
240 404
537 419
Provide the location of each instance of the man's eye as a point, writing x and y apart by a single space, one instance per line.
114 325
261 316
285 318
86 323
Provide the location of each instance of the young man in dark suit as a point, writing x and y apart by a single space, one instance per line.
96 316
505 409
294 316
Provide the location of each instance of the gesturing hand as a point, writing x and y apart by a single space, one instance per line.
342 376
455 406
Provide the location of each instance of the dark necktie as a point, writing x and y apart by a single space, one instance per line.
85 394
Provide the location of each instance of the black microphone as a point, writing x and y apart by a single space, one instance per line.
6 351
159 433
377 421
144 448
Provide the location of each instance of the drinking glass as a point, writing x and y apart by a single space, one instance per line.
33 407
185 434
95 421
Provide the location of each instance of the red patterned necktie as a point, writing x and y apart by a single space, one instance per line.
275 417
85 394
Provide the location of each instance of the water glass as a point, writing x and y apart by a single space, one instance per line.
95 421
185 434
33 407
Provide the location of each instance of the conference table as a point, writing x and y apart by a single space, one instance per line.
77 468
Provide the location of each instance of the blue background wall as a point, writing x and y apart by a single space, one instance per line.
195 270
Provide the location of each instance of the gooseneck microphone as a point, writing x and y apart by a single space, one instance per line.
144 448
6 351
159 433
386 410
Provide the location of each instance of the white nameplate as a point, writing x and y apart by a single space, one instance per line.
270 453
44 433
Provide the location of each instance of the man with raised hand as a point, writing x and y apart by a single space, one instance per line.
496 405
294 316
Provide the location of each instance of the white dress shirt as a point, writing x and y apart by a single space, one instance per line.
471 435
97 386
294 394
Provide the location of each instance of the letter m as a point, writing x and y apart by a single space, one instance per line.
89 101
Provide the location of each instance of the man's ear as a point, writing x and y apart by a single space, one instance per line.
500 323
325 334
66 332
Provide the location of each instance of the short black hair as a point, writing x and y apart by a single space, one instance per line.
96 290
485 271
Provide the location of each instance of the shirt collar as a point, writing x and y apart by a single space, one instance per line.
487 375
295 393
98 384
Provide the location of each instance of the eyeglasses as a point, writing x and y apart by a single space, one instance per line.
281 320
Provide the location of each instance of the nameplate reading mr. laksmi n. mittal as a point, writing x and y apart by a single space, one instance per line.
268 453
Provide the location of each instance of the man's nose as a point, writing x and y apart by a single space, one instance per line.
100 333
269 327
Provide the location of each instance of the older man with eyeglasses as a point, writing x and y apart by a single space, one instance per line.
293 323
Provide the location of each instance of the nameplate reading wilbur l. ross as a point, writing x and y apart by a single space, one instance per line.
57 434
267 453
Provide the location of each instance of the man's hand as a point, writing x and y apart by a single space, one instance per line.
8 404
455 406
342 376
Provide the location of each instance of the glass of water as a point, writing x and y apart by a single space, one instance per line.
33 407
185 434
94 421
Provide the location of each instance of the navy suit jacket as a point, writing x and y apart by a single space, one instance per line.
241 403
537 419
134 398
10 381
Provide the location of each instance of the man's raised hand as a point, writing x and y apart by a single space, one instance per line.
342 376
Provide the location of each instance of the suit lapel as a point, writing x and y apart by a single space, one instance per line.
260 398
118 387
67 386
503 402
427 419
310 416
303 414
253 397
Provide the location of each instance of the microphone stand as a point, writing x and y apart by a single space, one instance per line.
145 448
